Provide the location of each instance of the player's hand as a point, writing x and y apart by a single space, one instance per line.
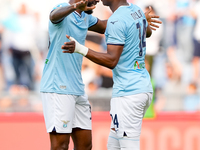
82 5
69 47
150 19
74 47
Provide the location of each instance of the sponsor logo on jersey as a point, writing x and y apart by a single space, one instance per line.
64 123
139 66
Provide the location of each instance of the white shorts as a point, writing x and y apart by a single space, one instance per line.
127 113
64 112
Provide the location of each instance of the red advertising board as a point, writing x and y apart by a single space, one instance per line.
168 131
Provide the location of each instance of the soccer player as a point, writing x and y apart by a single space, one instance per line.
66 108
126 33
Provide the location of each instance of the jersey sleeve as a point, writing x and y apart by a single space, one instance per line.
60 5
116 32
92 20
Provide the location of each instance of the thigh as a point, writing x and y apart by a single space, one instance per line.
82 118
127 113
113 141
129 143
59 112
82 139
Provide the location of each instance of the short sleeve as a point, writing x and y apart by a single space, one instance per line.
116 32
61 5
92 20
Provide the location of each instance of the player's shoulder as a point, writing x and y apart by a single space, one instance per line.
63 4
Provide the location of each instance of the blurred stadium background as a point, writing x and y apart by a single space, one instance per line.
171 123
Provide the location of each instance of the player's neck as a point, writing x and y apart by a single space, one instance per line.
117 4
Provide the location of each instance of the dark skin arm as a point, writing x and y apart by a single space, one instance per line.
148 31
100 27
60 13
109 59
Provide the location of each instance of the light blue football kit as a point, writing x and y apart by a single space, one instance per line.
132 89
130 76
65 104
62 72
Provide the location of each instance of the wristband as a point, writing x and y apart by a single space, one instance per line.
81 49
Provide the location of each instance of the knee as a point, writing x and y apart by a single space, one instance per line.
83 146
60 146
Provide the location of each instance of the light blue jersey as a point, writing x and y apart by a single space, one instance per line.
127 26
62 72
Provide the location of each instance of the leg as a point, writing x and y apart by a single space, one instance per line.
81 130
127 121
130 143
58 112
113 141
82 139
59 141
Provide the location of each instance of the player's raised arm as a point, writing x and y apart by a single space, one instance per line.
150 19
61 12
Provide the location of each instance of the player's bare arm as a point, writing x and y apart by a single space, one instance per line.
109 59
100 27
152 21
60 13
148 31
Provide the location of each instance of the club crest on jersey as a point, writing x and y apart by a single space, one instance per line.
64 123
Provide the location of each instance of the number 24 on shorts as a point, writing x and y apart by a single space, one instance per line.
115 120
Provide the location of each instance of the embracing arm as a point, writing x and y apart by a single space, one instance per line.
100 27
61 12
152 21
148 31
108 59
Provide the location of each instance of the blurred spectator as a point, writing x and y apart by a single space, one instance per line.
170 98
1 67
153 44
192 98
21 45
184 26
196 33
